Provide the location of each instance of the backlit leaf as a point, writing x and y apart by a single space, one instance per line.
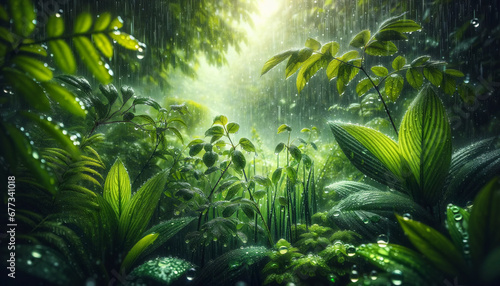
309 68
272 62
92 59
136 251
127 41
379 70
398 63
104 45
425 143
360 39
233 127
239 160
333 67
63 56
455 73
23 16
284 127
220 119
420 61
394 86
296 60
330 48
363 86
27 88
83 23
402 25
102 21
34 67
117 188
64 98
291 173
247 145
55 26
313 44
390 35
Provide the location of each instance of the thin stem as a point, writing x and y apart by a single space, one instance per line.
381 98
149 159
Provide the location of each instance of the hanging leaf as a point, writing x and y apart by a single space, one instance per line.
92 59
295 152
276 175
371 152
449 85
330 49
291 174
435 246
102 22
103 44
313 44
346 73
83 23
239 160
379 70
296 60
402 26
414 78
425 143
28 88
434 75
381 48
23 16
394 86
136 251
271 63
398 63
34 67
117 188
63 56
247 145
484 221
138 211
363 86
360 39
333 67
64 98
454 73
309 68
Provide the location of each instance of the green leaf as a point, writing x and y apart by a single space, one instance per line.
394 258
138 211
370 212
360 39
147 101
363 86
332 69
54 131
398 63
414 78
313 44
34 49
296 60
394 86
27 88
239 160
279 148
264 181
291 174
449 85
295 152
160 271
92 59
215 131
455 73
220 119
102 21
434 75
419 61
83 23
381 48
127 41
283 128
63 56
117 189
177 133
484 221
116 23
457 222
136 251
127 93
23 16
195 149
402 26
309 68
346 73
230 210
34 67
233 127
166 230
247 145
390 35
110 92
274 61
55 26
277 175
330 48
64 98
209 158
425 143
373 153
380 70
435 246
103 44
